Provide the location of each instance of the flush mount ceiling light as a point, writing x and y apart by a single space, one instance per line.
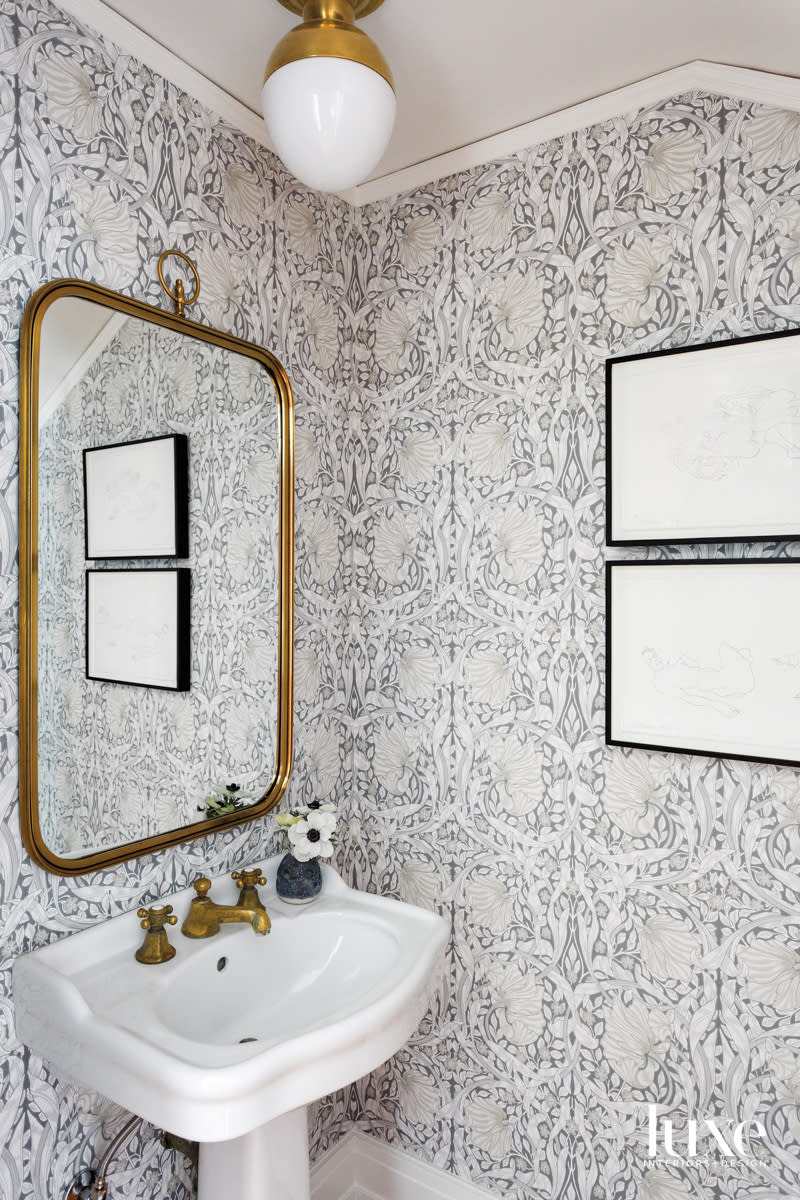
328 96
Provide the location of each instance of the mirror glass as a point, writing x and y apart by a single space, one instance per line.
120 763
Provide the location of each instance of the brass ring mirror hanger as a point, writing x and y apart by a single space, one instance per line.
179 295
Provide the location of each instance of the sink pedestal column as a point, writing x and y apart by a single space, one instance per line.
271 1163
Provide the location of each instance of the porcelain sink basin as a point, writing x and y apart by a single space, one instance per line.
237 1029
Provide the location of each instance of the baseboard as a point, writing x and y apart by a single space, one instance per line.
362 1168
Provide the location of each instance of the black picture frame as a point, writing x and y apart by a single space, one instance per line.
690 429
145 640
136 498
714 646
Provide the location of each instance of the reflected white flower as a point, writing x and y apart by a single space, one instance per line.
659 1185
516 533
301 227
419 242
395 539
419 457
306 456
773 974
517 770
787 235
636 1037
517 303
520 1001
489 221
489 675
490 902
419 884
107 232
243 551
420 1097
418 672
223 275
72 101
395 331
669 947
243 733
635 274
489 1127
262 474
244 195
321 323
306 674
490 448
774 138
322 543
669 167
322 760
395 753
636 785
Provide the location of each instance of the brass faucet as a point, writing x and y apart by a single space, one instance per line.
156 947
205 917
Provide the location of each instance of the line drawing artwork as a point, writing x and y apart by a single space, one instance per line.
133 496
737 428
725 677
791 663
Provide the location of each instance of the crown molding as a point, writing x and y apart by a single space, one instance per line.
744 83
783 91
132 40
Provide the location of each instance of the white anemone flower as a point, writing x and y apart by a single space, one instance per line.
311 837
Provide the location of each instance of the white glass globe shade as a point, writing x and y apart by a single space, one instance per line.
330 120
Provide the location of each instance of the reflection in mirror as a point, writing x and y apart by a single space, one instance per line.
120 763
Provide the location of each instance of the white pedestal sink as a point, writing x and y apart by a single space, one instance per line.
229 1041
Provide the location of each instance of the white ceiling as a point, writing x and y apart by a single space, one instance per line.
467 69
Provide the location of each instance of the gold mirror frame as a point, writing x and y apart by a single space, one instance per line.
29 575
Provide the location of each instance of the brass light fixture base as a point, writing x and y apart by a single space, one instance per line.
328 31
361 8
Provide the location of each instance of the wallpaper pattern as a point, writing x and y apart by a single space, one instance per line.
120 763
624 925
103 165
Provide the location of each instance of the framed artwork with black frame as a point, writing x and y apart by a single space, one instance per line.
137 627
703 443
136 498
703 657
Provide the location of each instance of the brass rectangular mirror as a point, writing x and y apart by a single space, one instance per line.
111 770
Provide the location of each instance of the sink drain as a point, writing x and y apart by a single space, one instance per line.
247 1039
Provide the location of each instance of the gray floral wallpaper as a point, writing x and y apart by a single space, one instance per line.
103 165
119 763
624 924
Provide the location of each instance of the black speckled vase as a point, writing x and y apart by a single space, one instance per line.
298 882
